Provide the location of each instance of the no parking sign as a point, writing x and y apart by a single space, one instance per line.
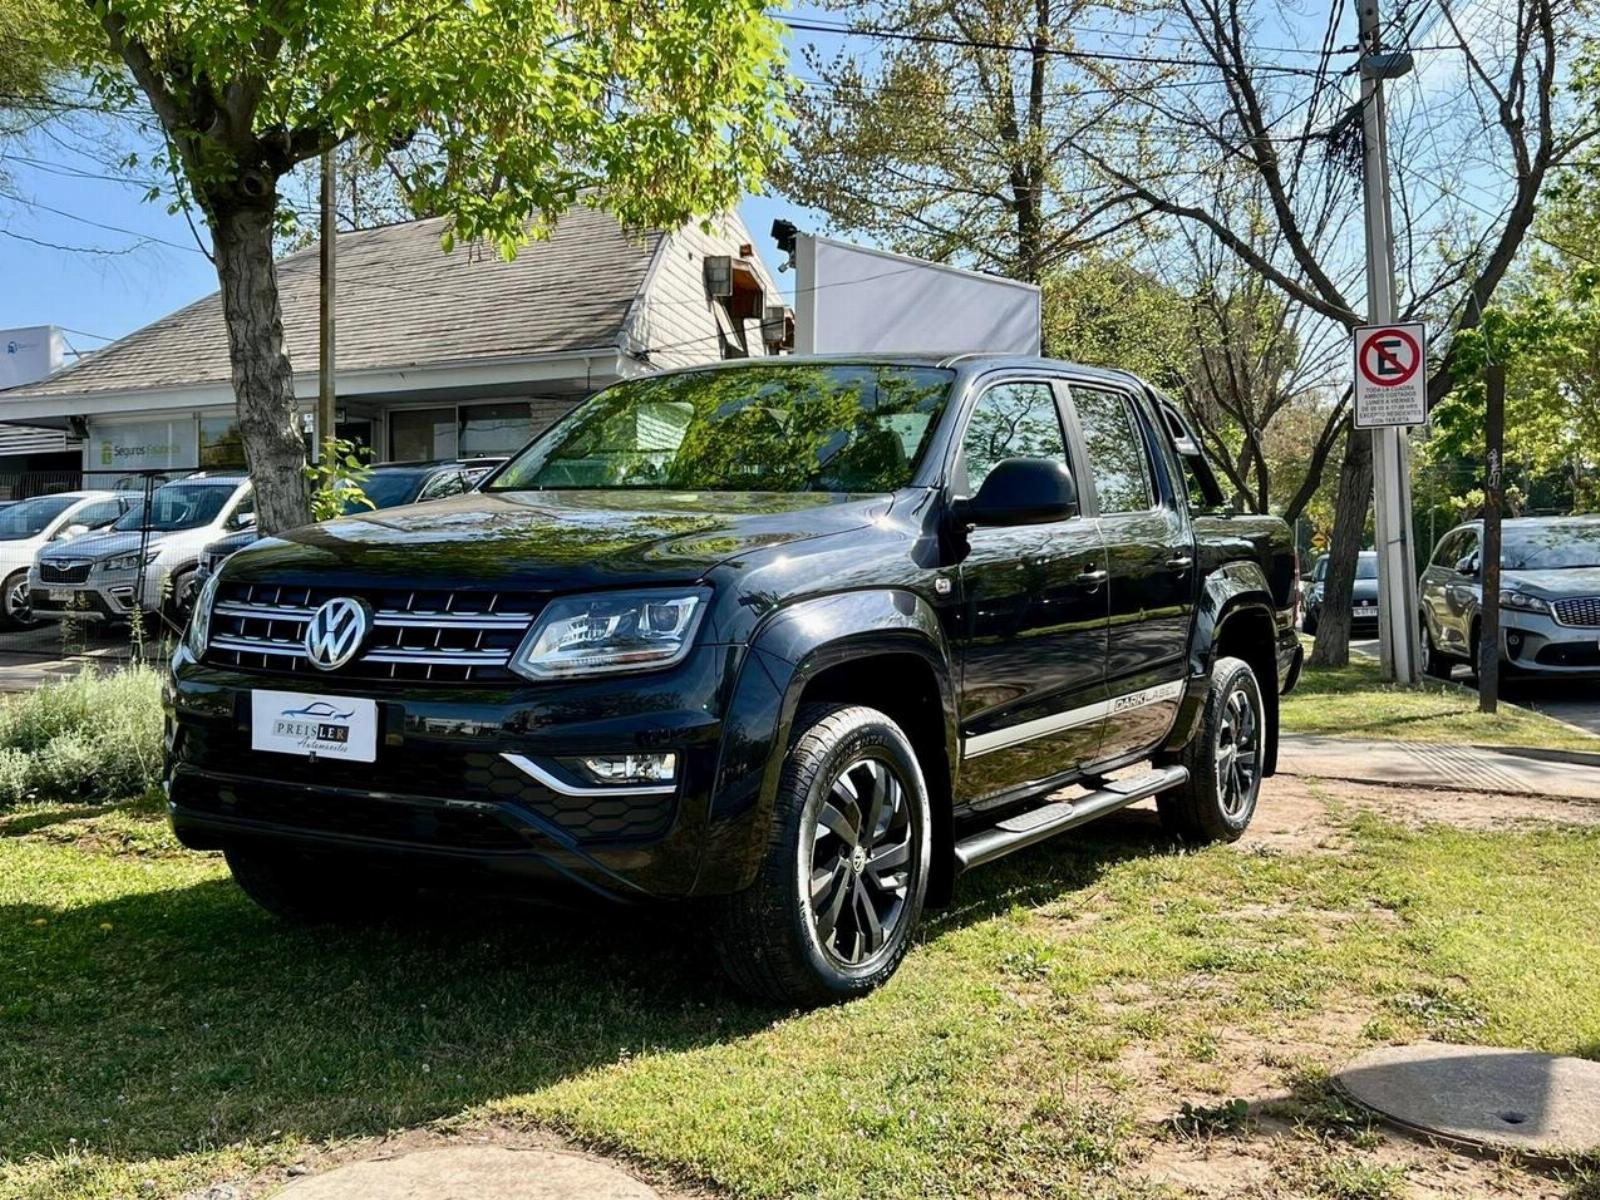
1391 375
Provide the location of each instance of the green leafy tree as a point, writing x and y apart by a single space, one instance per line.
1546 332
524 107
947 140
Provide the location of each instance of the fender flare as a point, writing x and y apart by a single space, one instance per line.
787 651
1231 591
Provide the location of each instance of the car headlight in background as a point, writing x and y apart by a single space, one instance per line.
130 562
1523 602
198 636
614 631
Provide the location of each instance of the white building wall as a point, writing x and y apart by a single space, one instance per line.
679 327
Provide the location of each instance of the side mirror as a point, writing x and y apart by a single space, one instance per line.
243 520
1467 565
1023 491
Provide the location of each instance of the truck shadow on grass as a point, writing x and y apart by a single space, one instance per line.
159 1021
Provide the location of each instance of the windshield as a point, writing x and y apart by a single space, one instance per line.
179 506
1367 566
1554 547
386 489
28 518
808 428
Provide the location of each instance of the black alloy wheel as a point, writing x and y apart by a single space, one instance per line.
860 862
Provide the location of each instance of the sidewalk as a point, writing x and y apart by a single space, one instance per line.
1434 765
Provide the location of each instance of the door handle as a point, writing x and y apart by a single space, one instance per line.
1093 579
1182 563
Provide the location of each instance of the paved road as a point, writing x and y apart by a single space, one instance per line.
28 657
1576 702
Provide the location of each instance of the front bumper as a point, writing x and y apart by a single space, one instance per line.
442 794
1537 643
103 596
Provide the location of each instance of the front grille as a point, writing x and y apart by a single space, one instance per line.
1582 612
418 636
439 773
63 572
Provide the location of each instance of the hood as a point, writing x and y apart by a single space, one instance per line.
95 546
1364 589
1575 581
552 540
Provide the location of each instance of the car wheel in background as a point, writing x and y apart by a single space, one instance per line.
180 602
1225 760
1434 664
836 901
15 610
1308 625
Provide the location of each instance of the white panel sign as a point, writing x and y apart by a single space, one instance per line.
28 355
1391 374
142 445
852 300
325 726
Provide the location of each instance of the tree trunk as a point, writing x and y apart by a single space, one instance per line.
263 380
1349 530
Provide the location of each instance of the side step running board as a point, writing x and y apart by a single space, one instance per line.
1034 826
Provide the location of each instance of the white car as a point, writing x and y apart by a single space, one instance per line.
146 562
28 526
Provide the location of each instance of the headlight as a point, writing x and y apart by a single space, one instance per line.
617 631
1524 602
198 635
130 562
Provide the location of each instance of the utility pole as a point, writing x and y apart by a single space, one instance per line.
1488 664
1391 452
326 391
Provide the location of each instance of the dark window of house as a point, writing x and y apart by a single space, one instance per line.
220 442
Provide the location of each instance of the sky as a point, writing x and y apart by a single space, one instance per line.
87 252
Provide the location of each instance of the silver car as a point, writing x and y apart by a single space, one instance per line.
145 562
1549 597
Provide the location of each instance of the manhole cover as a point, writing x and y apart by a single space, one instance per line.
473 1173
1506 1099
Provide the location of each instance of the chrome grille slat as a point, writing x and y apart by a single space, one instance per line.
439 636
1581 612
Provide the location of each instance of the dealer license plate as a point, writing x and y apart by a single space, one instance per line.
60 595
327 726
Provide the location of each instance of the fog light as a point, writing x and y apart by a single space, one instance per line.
630 768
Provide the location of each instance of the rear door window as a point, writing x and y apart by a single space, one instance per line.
1119 460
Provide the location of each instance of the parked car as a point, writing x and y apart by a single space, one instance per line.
390 484
803 640
99 577
27 526
1549 597
1363 596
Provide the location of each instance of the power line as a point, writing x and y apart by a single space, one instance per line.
940 39
144 237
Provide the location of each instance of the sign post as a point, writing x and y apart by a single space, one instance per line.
1385 348
1391 393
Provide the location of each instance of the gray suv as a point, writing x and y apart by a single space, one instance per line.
1549 597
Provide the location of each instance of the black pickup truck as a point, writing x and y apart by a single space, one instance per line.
799 641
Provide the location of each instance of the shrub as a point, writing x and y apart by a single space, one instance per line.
89 737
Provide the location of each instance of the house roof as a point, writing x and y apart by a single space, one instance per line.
402 302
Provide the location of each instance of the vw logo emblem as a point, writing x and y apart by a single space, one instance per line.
336 632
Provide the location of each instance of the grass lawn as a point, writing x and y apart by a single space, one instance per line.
1083 1019
1353 702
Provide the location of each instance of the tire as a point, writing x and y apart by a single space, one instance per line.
1217 801
1308 625
1434 664
309 890
15 613
182 597
831 914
